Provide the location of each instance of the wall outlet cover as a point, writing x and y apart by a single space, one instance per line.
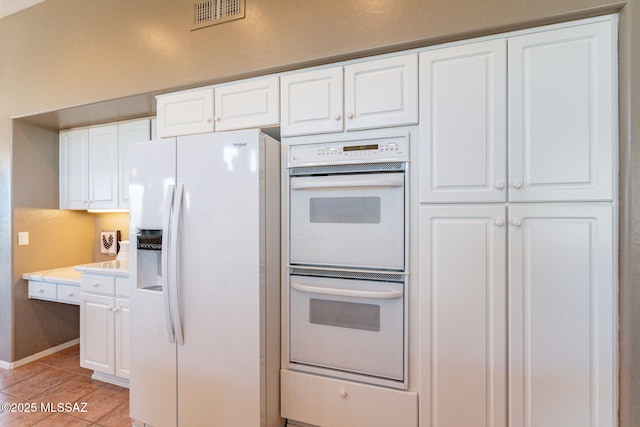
109 242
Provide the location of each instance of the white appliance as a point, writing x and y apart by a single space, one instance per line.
348 259
205 268
352 323
348 204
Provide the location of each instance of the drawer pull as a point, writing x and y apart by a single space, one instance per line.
95 284
343 393
41 290
70 294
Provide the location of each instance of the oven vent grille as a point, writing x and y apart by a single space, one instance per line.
356 275
211 12
350 168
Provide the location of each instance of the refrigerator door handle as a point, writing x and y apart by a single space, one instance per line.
175 258
166 224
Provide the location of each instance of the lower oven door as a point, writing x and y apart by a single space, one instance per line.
354 326
350 220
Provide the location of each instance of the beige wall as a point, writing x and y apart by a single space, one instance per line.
67 53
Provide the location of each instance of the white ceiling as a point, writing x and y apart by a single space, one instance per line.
8 7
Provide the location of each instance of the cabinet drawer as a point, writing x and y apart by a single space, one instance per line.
69 293
335 403
98 284
122 286
42 290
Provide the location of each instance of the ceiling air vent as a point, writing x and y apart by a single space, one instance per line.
212 12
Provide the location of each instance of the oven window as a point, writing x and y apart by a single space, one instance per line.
345 210
345 314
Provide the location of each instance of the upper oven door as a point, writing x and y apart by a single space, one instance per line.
348 220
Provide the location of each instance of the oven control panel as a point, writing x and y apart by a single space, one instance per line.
361 151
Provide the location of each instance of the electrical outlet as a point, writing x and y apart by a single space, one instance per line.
23 238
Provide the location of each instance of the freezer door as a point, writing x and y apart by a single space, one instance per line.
153 169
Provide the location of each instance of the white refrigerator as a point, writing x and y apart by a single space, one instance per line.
205 269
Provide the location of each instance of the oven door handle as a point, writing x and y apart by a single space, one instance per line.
347 292
392 181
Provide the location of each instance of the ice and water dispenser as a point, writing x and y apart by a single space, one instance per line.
149 259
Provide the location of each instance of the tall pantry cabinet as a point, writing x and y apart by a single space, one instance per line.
518 158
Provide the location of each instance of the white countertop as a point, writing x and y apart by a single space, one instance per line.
71 275
65 275
114 268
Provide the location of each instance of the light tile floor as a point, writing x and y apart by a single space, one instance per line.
53 391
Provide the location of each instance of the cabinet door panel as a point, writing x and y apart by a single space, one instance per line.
312 102
103 167
97 333
185 113
122 338
562 127
74 163
463 101
561 316
247 105
463 317
381 93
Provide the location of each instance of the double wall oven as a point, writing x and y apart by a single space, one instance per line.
347 259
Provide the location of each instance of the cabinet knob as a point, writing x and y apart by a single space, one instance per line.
217 118
350 116
41 290
343 393
209 120
116 310
500 185
499 222
70 294
95 284
517 185
516 222
337 117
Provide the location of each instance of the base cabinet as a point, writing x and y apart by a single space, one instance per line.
104 327
534 348
329 402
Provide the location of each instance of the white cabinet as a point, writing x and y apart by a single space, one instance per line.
249 104
50 291
103 167
246 104
381 93
376 93
74 169
464 113
463 316
331 402
562 114
558 301
185 113
128 133
312 102
551 106
104 328
562 320
89 168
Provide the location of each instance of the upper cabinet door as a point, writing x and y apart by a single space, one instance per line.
103 167
185 113
74 163
128 133
381 93
311 102
463 112
562 102
250 104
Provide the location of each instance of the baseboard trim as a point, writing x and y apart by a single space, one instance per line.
111 379
40 355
